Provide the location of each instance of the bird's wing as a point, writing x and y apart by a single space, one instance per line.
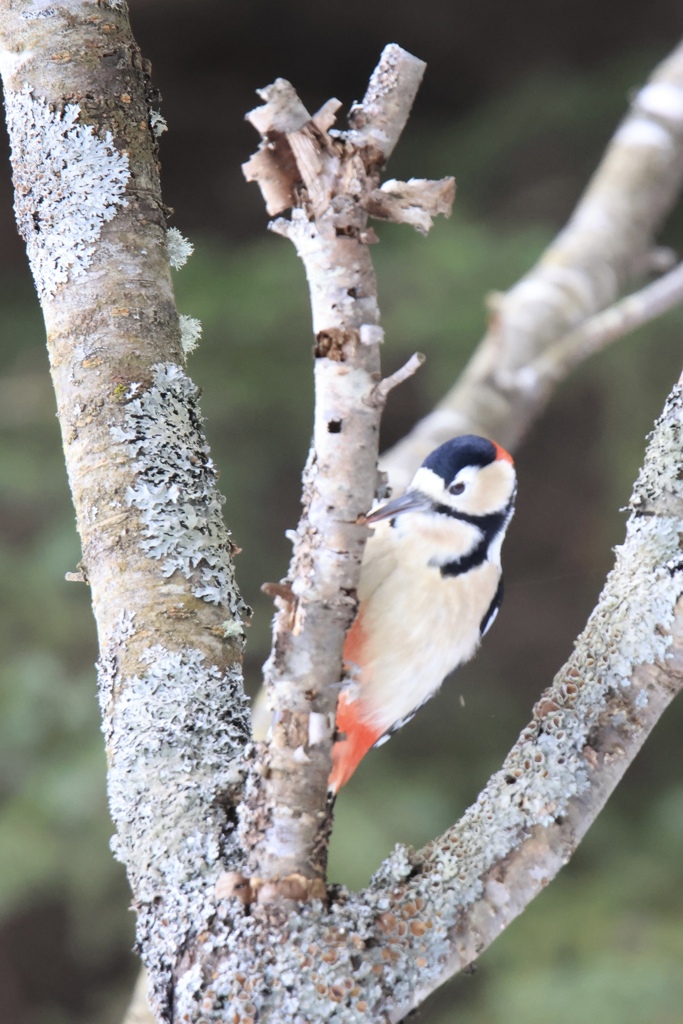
355 734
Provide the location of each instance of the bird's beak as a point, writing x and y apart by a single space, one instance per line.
411 501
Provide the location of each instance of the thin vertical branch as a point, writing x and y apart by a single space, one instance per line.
330 180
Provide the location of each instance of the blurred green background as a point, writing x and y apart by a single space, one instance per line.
519 101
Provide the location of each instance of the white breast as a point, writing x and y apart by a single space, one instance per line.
418 624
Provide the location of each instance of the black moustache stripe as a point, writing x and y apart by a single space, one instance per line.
490 525
467 562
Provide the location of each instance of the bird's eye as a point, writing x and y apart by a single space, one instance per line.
456 488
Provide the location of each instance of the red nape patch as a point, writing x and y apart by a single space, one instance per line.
348 753
502 454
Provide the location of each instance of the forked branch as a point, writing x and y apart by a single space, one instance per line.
156 550
375 955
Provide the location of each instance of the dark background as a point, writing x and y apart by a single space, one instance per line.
519 101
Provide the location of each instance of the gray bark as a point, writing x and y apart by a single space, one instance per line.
156 555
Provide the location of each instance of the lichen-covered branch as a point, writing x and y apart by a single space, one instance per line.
331 181
156 553
375 955
605 247
586 728
226 938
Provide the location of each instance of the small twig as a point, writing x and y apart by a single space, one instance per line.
78 576
381 390
413 202
282 591
601 330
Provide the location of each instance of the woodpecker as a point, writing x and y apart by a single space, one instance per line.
430 587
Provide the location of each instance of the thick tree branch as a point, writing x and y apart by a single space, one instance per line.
375 955
331 180
155 549
586 729
604 248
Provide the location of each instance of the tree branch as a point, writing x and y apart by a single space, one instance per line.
377 954
381 390
599 331
605 246
331 179
586 729
156 552
155 548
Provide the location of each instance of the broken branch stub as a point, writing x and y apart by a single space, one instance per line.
413 202
379 120
301 163
331 181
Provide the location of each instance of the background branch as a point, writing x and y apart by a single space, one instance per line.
605 246
595 333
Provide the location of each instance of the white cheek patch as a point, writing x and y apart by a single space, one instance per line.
490 489
487 488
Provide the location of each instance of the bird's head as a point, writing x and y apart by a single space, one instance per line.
467 477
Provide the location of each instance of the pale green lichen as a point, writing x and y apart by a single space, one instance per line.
190 333
175 742
175 486
178 247
68 183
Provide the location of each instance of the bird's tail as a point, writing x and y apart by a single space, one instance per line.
355 739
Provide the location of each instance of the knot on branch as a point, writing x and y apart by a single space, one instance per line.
330 343
233 885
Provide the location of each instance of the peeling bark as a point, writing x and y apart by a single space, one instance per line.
331 179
